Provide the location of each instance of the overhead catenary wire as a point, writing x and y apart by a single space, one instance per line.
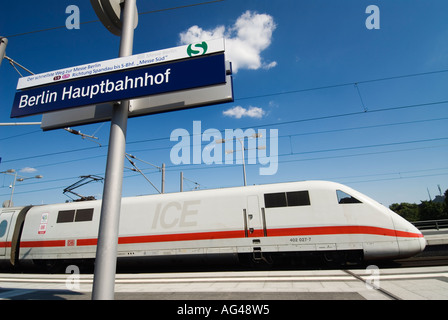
199 167
178 168
396 176
360 98
136 169
262 125
312 132
332 86
213 167
324 117
267 125
97 20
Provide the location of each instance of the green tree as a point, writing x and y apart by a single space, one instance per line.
426 210
409 211
430 210
446 202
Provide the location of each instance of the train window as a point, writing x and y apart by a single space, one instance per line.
298 198
287 199
275 200
66 216
84 215
3 228
346 198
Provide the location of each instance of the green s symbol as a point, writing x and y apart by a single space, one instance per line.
192 52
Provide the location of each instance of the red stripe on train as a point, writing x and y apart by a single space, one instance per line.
331 230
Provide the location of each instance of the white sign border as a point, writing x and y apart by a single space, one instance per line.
112 65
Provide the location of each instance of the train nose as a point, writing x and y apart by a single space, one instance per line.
423 242
410 240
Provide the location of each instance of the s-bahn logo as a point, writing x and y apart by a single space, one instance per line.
198 49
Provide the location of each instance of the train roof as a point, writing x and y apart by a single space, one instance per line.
273 187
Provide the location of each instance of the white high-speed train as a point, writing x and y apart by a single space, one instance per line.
259 223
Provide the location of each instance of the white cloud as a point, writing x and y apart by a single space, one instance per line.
270 65
28 170
238 112
245 40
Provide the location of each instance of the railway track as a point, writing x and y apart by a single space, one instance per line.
424 262
369 283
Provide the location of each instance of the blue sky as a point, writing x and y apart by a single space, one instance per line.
367 108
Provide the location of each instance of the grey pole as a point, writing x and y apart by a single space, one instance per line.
106 253
244 162
181 181
3 44
163 178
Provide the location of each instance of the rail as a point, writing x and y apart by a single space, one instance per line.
431 224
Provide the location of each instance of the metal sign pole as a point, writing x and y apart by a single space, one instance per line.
3 44
106 254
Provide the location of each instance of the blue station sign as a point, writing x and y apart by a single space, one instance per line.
150 80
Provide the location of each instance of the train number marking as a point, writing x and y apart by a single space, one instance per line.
300 239
175 214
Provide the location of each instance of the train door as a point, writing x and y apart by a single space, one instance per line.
5 221
253 218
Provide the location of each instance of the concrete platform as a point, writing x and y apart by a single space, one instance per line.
425 283
436 237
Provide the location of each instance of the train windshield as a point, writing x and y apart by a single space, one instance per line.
346 198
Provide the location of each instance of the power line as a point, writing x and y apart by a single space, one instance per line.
298 134
189 167
400 173
372 146
353 114
356 154
20 135
367 127
304 133
400 176
332 86
264 125
178 168
92 21
360 98
50 154
45 30
181 7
